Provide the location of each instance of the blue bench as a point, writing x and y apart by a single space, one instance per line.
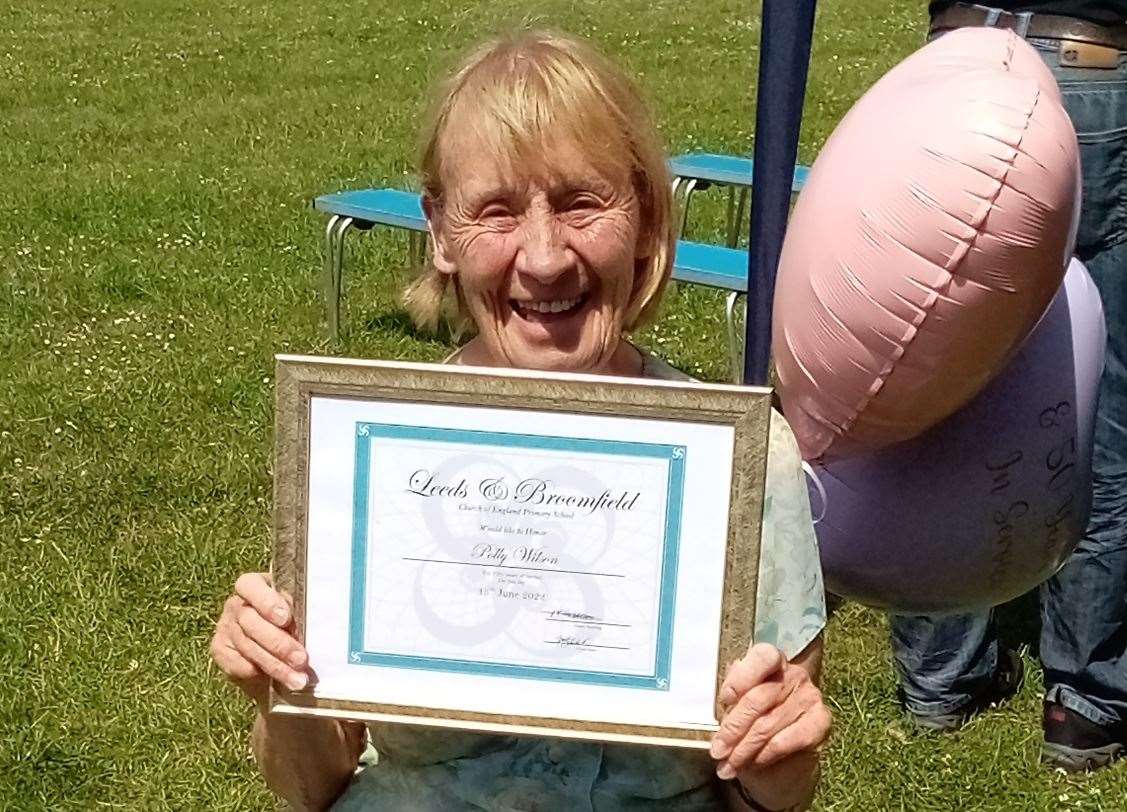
695 171
725 170
695 263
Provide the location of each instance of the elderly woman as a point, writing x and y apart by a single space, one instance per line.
548 204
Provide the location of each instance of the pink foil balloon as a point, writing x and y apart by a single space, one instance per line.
932 233
988 503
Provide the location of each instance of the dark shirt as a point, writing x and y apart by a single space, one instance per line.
1096 11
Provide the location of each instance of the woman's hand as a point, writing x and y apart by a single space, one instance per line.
252 641
308 762
773 725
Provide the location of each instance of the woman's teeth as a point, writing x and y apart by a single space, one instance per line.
553 306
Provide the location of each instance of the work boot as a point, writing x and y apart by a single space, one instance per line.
1076 744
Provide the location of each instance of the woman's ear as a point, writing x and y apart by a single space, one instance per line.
436 233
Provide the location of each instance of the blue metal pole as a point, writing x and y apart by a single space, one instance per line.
784 58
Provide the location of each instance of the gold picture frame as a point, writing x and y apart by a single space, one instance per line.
302 379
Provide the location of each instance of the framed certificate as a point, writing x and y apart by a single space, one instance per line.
507 551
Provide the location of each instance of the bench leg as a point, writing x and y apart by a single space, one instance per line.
678 182
338 271
731 217
735 340
686 197
416 250
682 193
327 286
736 224
334 270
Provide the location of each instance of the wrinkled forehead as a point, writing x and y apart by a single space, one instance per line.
482 148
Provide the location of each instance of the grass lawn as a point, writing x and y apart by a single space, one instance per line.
157 247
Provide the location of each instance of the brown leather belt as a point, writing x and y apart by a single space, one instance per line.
1038 26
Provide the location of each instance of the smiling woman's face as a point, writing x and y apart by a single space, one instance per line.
546 258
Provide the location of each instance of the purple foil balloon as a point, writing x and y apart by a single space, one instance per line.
988 503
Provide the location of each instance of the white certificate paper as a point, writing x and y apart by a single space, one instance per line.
553 558
521 563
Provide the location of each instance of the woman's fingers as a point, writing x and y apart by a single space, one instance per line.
264 615
760 662
808 732
266 662
250 643
277 642
754 704
798 697
228 658
255 589
750 689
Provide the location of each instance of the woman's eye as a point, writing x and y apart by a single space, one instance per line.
581 202
494 211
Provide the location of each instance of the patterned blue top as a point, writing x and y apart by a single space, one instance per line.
425 769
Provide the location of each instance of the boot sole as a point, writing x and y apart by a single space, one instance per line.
1074 760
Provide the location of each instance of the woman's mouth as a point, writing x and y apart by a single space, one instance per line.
546 310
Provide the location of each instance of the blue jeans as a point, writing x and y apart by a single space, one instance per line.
943 662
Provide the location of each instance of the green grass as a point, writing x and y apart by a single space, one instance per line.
157 247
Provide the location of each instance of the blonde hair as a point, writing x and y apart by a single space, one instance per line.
522 88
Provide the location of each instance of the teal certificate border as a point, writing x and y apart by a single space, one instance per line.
675 456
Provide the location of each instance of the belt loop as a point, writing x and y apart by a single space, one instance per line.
1022 27
992 15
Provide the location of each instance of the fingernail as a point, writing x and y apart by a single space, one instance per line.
719 748
726 696
297 682
725 771
281 614
297 659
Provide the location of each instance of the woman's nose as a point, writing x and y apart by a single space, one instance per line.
543 253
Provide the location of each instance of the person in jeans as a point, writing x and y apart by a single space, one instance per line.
951 667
